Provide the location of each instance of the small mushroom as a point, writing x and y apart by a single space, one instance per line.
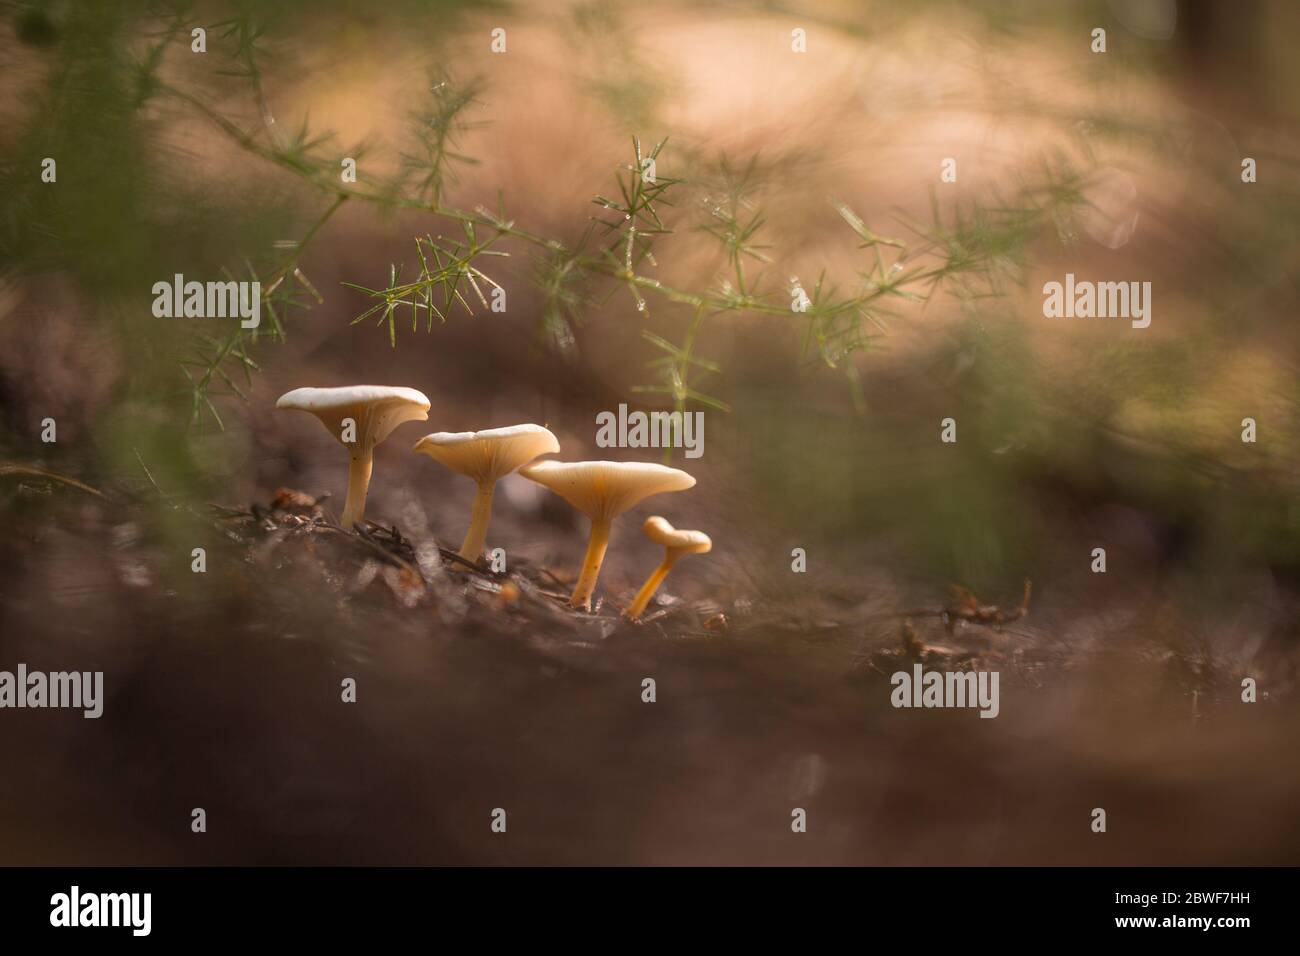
603 490
487 457
676 543
373 411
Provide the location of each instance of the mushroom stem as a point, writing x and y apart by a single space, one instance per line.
650 587
476 537
359 466
591 564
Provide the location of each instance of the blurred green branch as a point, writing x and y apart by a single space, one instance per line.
970 254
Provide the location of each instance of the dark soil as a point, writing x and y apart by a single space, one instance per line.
478 691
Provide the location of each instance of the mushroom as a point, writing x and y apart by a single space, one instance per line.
486 456
676 543
374 411
603 490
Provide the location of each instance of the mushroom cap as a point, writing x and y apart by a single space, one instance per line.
490 454
658 529
377 409
603 490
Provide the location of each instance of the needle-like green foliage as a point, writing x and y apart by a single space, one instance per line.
970 252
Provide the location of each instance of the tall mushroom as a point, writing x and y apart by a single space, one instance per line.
487 457
676 543
603 490
360 417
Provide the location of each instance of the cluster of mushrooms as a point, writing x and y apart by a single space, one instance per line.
361 416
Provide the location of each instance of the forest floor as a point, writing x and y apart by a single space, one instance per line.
477 691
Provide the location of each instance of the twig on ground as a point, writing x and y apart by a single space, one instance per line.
13 468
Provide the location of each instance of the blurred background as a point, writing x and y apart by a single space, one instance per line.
775 170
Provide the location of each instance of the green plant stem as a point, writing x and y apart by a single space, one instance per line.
595 264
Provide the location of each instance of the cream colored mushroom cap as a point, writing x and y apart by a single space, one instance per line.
377 409
603 490
658 530
489 454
